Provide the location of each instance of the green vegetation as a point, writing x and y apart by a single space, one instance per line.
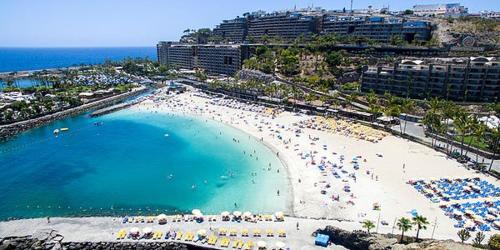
368 225
288 61
478 240
421 222
494 242
404 224
464 235
351 86
466 129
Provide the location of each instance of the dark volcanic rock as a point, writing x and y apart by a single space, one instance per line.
360 240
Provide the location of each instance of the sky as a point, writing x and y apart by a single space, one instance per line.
126 23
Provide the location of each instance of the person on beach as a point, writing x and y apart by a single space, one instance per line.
297 225
48 219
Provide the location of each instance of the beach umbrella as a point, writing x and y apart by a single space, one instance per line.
497 224
490 217
279 215
280 245
247 214
224 214
134 230
202 232
237 213
261 244
147 230
469 224
161 217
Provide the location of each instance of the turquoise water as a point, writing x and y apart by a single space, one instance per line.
24 83
137 163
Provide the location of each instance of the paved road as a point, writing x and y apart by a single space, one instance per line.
416 130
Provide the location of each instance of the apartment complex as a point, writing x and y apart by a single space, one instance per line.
213 59
472 80
283 25
291 25
380 29
234 30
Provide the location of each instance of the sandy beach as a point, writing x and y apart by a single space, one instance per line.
368 173
385 167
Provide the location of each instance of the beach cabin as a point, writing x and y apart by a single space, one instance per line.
322 240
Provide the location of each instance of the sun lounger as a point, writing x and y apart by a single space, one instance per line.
212 240
188 236
249 245
121 234
235 244
179 235
281 233
240 244
225 242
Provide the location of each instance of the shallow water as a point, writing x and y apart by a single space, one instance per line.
137 162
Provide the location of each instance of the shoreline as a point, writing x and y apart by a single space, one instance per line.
385 160
290 207
283 161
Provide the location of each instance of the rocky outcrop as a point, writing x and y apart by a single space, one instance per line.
29 242
360 240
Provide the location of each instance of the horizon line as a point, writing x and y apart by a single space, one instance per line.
76 47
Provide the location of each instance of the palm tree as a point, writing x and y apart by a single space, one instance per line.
449 110
478 239
421 222
495 138
404 224
368 225
393 110
407 107
464 235
462 125
479 130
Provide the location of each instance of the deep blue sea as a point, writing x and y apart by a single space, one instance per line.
137 163
21 59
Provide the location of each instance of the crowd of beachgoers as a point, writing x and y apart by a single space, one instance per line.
338 169
348 173
471 202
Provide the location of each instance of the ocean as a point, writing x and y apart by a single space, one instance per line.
137 163
22 59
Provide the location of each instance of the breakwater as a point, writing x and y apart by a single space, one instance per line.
113 108
55 241
12 129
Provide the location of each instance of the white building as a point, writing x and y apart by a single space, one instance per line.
450 9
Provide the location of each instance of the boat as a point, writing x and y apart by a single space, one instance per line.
64 129
56 131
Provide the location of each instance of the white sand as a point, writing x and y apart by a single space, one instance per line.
391 191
